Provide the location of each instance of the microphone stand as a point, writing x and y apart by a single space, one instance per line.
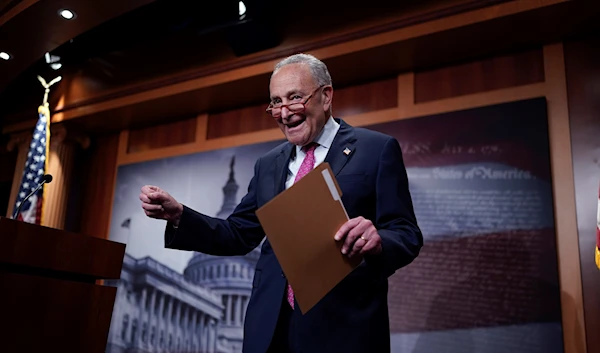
27 198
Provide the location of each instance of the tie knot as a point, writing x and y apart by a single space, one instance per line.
310 148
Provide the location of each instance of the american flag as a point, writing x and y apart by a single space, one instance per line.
35 167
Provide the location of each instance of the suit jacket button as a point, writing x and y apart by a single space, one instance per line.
282 274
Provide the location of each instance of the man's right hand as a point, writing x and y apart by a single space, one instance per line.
159 204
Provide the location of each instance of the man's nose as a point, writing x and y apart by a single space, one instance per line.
285 112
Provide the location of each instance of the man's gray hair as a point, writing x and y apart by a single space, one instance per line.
318 69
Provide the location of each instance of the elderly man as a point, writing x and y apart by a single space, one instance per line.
353 317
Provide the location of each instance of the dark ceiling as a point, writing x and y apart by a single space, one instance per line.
117 46
118 41
30 28
113 44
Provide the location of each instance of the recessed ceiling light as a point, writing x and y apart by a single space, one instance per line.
241 8
4 55
67 14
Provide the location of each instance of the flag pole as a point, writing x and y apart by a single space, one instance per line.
597 251
44 110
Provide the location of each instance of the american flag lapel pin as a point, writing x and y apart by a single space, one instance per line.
347 151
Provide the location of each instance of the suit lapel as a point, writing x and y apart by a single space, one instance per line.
342 148
281 167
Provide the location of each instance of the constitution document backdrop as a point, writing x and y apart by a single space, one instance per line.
486 280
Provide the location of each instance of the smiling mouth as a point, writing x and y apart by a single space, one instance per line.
294 124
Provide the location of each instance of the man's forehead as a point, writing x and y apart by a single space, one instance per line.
288 80
285 91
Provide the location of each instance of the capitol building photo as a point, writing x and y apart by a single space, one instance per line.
200 311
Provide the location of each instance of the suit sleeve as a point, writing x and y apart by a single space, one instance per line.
237 235
395 219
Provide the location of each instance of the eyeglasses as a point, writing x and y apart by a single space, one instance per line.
294 107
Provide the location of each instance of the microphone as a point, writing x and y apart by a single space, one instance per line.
46 179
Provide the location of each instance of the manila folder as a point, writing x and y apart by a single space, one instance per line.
300 223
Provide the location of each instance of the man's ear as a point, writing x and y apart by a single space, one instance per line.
327 97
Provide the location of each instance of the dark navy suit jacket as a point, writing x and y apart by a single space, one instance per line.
353 317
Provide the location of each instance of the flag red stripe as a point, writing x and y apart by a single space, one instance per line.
480 281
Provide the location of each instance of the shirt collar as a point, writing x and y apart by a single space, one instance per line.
326 136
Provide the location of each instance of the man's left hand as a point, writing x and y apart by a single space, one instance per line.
360 237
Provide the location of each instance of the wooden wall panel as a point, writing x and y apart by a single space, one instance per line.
97 186
347 101
239 121
583 83
364 98
8 162
164 135
480 76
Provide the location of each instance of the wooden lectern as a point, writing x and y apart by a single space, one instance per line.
49 299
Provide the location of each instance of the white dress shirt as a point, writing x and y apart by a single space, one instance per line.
324 139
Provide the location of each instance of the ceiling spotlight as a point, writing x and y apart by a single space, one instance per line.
51 58
4 55
242 9
67 14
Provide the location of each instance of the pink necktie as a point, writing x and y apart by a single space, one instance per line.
307 165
